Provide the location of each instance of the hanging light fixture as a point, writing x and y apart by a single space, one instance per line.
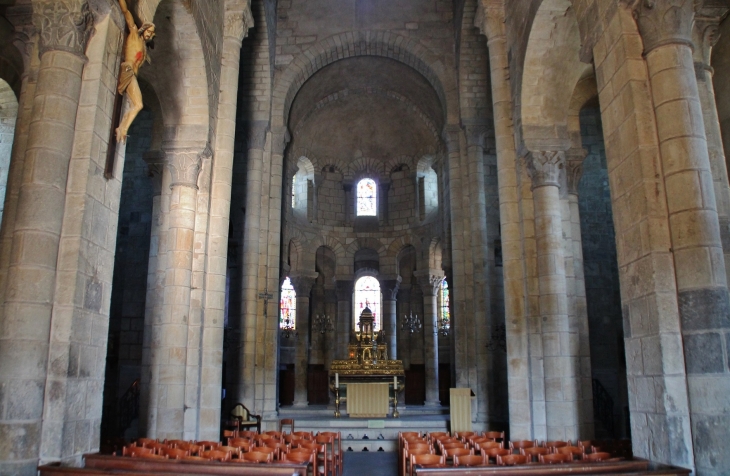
411 323
443 326
323 324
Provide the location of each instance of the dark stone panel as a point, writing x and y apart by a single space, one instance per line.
627 322
19 469
711 434
704 309
703 353
19 441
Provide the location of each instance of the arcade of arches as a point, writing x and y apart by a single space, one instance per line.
559 164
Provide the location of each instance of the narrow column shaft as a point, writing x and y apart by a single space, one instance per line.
26 320
429 285
330 340
403 308
303 287
390 296
344 317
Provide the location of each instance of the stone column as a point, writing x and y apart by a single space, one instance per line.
302 286
704 307
64 30
155 288
251 309
559 338
349 203
176 410
330 339
429 282
317 339
705 33
404 337
574 171
344 290
389 288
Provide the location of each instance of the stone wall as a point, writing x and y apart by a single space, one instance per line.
601 270
721 64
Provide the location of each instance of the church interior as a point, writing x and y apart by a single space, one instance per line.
528 199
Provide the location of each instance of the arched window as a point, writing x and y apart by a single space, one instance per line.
287 306
444 319
367 293
367 192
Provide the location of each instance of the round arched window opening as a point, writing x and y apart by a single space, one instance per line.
367 194
367 294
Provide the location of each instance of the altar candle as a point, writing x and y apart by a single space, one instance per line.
395 382
337 380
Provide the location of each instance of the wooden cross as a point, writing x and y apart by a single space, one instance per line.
266 295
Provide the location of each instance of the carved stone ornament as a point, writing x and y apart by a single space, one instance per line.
63 25
184 166
238 23
429 283
663 22
706 33
574 168
544 167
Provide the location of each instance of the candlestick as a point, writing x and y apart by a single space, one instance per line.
337 380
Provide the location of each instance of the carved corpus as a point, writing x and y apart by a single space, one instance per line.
544 167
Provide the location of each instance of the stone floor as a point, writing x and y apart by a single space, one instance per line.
373 463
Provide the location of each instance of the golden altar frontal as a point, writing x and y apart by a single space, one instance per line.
367 371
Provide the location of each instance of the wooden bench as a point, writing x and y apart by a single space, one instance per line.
633 467
96 464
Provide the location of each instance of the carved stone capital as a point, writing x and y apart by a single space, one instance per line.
429 282
663 22
574 168
303 284
279 140
475 135
237 23
63 25
489 19
544 167
705 35
257 134
184 166
390 288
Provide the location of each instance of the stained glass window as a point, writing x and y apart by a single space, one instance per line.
366 197
294 192
367 294
444 311
288 305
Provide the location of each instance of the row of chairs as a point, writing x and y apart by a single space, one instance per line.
322 451
474 449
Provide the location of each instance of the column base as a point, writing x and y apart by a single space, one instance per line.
432 404
301 404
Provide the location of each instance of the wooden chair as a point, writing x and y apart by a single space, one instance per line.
144 441
488 445
274 452
191 448
555 458
449 453
512 460
280 448
493 453
416 449
522 444
136 451
586 444
208 445
556 444
533 454
234 450
321 451
157 447
174 453
175 443
256 457
470 460
299 457
194 458
248 434
215 455
286 422
241 443
596 457
245 418
464 435
427 461
575 452
329 445
337 447
151 456
494 435
305 435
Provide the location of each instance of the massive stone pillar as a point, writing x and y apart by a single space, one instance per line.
303 287
389 288
429 282
344 290
559 337
705 33
579 311
25 347
174 360
155 286
403 308
518 368
330 338
701 280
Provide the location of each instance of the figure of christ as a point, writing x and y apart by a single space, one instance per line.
135 53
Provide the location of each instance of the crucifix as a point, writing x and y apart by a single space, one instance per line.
266 295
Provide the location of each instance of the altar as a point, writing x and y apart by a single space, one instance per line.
367 381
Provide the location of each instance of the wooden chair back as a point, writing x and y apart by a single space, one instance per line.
512 460
286 422
575 452
209 445
469 460
555 458
215 455
521 444
494 435
256 457
556 444
533 454
493 453
174 453
596 457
